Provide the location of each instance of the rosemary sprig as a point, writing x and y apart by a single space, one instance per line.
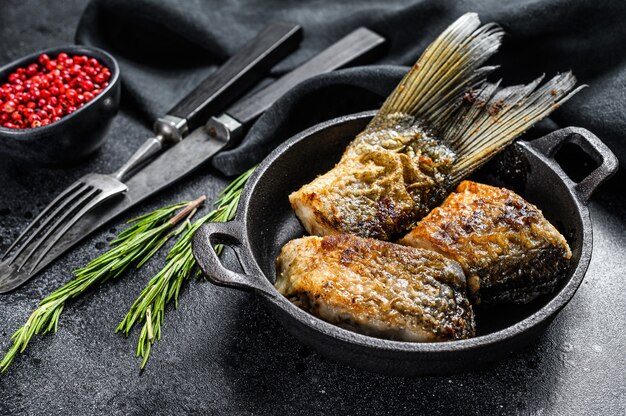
164 287
135 245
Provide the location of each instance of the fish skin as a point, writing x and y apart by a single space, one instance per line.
386 179
376 288
508 250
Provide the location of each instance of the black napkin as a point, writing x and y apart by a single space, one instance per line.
167 47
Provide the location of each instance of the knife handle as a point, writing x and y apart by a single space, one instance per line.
355 47
232 79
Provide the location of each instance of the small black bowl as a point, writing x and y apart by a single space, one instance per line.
76 135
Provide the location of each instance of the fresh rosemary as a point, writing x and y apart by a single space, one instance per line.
164 287
135 245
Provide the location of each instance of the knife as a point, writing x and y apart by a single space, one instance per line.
203 142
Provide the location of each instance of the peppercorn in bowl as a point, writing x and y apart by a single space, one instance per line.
56 105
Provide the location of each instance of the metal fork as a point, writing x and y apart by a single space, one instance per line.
233 78
67 208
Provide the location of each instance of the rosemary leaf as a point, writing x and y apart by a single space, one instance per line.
136 244
164 287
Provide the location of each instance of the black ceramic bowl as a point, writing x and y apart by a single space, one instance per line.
74 136
265 222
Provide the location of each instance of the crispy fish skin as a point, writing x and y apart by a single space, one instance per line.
376 288
385 180
508 250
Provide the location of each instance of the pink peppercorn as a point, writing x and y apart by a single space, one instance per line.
49 89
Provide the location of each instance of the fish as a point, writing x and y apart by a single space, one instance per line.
508 250
376 288
442 122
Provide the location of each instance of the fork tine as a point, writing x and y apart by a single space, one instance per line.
68 225
39 217
69 199
83 199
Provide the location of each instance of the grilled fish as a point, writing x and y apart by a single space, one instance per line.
441 123
507 248
377 288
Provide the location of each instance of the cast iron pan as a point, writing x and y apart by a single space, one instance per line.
265 222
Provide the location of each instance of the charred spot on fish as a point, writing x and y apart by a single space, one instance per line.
448 330
440 235
371 229
472 223
387 211
330 243
331 221
346 256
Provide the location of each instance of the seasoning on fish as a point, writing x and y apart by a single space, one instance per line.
377 288
507 248
441 123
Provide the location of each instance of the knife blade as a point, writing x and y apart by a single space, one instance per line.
202 143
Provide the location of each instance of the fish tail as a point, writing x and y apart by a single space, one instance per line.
446 91
492 118
432 89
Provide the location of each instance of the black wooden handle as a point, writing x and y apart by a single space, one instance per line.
238 73
358 46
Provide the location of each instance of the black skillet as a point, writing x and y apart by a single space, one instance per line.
265 222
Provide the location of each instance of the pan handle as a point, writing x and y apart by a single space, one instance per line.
607 162
228 233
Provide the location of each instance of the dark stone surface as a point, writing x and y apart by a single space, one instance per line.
222 354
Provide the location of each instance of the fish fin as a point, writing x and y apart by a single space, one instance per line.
492 118
431 89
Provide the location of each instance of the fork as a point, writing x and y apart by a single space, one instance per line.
234 77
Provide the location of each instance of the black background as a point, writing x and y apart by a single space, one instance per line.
222 353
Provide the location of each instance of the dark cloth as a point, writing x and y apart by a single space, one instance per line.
165 48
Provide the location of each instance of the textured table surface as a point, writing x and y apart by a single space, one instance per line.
222 353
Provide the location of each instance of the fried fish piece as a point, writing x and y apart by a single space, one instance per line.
377 288
508 250
441 123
